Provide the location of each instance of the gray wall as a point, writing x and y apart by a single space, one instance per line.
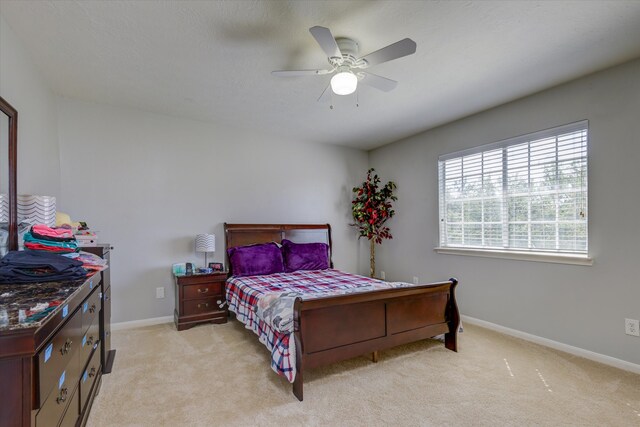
577 305
149 183
25 89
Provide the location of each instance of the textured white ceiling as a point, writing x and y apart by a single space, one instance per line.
211 60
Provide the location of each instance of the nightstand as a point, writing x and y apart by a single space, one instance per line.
200 299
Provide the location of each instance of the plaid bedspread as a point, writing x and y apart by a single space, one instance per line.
257 302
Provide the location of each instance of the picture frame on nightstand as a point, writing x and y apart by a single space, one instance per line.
216 266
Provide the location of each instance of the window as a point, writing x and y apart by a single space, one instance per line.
525 194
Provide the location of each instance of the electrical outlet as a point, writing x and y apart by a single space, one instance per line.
632 327
382 275
415 280
160 292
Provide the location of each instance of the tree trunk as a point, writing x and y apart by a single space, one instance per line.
372 259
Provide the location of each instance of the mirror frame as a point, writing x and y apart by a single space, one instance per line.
12 114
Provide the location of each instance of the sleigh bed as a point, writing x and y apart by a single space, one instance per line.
330 328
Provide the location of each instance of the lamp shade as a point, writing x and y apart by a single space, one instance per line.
344 83
206 243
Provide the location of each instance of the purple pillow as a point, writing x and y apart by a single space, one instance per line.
305 256
255 260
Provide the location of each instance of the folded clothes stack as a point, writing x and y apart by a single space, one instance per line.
36 267
90 262
50 239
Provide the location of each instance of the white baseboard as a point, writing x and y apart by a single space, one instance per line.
577 351
141 323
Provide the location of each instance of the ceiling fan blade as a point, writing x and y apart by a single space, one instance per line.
326 94
294 73
394 51
381 83
326 41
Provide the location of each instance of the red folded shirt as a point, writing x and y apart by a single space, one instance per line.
39 247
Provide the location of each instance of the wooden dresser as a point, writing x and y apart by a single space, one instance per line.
51 360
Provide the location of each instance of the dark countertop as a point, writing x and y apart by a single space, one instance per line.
31 305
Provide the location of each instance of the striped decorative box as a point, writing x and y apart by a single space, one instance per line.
37 209
4 208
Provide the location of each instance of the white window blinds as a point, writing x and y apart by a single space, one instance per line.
527 193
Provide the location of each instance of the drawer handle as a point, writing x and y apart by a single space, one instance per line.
66 347
62 396
206 304
203 290
90 340
92 309
92 373
221 303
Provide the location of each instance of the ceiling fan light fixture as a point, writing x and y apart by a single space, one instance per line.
344 83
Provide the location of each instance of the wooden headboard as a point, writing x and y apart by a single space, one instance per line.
251 234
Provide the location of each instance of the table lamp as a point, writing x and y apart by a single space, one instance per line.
206 243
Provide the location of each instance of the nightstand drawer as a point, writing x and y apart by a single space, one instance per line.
196 279
203 290
204 305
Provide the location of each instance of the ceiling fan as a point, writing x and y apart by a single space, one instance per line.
342 54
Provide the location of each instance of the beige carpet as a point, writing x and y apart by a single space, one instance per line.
219 375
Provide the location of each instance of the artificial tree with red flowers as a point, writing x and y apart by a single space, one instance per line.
371 208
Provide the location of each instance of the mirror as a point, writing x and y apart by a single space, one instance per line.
8 174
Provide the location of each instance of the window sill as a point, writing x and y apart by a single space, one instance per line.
521 256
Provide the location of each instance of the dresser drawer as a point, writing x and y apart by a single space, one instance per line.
90 309
204 305
90 340
89 377
203 290
105 327
61 397
73 410
60 355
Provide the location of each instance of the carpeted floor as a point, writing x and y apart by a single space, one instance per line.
219 375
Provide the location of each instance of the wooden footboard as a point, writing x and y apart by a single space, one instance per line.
329 330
